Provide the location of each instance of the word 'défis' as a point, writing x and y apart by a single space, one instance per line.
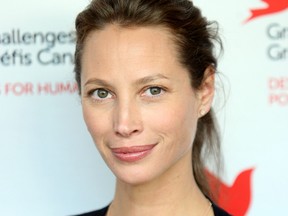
23 47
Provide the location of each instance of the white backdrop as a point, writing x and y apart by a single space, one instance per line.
48 162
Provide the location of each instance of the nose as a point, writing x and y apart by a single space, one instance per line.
127 119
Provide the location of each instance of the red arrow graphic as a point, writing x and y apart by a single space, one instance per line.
273 6
236 198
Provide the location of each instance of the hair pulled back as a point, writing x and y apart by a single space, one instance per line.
194 37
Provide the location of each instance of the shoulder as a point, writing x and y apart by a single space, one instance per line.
218 211
100 212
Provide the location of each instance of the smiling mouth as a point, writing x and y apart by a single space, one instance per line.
133 153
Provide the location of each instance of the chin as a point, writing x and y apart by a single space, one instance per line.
134 176
133 182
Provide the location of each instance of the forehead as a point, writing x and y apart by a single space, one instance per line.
115 49
114 31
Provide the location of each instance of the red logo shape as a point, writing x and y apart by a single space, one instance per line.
234 199
273 6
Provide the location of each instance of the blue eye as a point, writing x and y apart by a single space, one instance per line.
101 94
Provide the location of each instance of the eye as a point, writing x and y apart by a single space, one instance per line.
153 91
101 94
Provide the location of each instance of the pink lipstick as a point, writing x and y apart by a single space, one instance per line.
132 154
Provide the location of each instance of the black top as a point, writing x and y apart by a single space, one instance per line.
102 212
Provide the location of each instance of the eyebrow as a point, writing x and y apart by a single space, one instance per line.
97 82
141 81
149 79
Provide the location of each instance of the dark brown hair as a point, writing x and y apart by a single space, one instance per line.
194 37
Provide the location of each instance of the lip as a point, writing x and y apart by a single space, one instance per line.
133 153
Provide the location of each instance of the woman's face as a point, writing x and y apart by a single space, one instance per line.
138 104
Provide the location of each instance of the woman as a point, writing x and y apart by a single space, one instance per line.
145 70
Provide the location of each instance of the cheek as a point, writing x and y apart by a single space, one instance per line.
96 122
176 121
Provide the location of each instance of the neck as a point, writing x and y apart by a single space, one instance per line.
175 192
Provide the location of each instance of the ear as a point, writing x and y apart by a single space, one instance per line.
206 91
